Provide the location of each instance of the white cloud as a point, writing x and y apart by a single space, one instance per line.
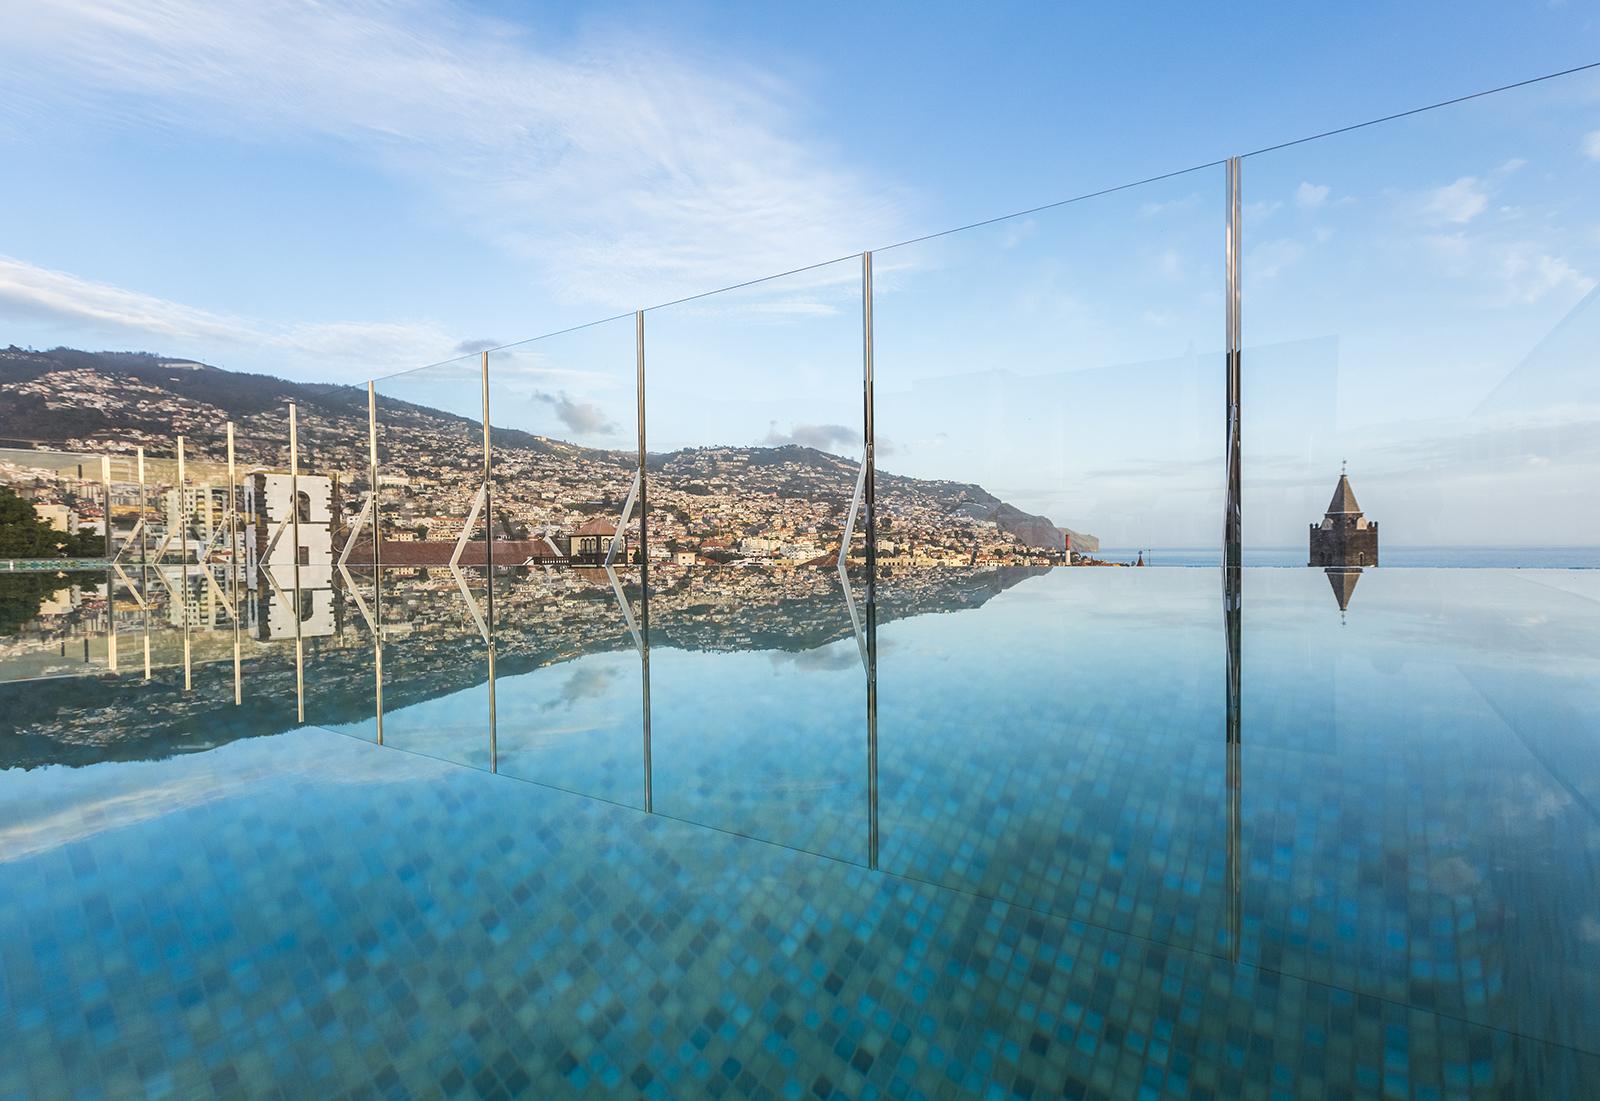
1527 275
1459 202
1591 145
628 174
29 292
1310 196
1168 206
1269 258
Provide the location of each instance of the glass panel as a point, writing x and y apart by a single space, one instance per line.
53 572
272 673
337 605
208 538
1420 301
1421 309
756 441
569 690
1049 393
1055 375
436 689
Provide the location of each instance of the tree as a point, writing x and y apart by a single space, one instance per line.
24 535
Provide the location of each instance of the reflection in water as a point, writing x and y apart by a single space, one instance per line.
1232 610
1043 746
1343 579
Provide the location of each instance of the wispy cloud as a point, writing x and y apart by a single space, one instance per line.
1528 275
1309 196
1591 145
823 437
1269 258
28 293
1459 202
628 174
1168 206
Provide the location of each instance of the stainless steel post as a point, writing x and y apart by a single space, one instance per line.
294 530
144 563
377 559
233 566
644 560
872 561
1232 561
488 561
1232 532
182 518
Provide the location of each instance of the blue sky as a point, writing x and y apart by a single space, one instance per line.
348 192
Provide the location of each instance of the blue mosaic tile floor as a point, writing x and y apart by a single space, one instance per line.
1050 915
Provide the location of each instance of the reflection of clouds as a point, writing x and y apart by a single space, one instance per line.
821 437
99 798
584 418
586 683
1454 875
832 658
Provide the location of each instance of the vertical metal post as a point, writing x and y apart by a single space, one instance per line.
111 554
105 487
377 559
233 566
488 561
872 561
1232 531
294 530
183 553
644 560
144 563
1232 561
868 428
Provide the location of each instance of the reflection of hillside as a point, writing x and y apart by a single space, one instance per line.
430 651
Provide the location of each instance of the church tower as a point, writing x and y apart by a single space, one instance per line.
1345 537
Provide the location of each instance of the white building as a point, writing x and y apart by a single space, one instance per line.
266 510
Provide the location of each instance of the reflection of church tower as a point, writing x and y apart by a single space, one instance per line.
1343 579
1345 537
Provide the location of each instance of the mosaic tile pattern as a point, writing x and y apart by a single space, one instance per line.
318 917
311 916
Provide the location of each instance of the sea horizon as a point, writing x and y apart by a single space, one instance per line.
1416 557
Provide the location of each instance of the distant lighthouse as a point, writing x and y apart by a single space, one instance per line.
1345 537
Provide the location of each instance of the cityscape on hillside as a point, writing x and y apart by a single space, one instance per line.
782 505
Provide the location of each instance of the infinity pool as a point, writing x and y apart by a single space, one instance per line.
1053 854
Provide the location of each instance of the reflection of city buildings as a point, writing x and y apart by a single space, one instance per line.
200 514
270 612
65 636
430 650
1345 537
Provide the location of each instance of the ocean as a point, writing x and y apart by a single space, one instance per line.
1527 558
